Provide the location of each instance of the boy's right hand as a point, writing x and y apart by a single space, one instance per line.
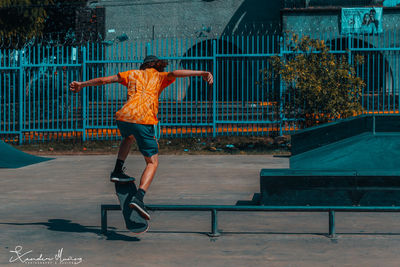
208 77
75 86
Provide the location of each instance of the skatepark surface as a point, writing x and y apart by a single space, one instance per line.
53 207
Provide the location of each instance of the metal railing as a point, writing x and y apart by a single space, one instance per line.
214 209
36 105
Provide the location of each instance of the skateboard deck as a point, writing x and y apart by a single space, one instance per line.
133 221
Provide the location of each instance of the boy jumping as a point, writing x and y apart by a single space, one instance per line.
136 119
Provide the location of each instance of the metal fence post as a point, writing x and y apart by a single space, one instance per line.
148 49
21 97
281 86
373 124
84 104
214 124
349 46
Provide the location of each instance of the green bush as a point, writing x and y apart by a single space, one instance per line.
319 86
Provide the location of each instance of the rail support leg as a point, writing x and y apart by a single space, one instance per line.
103 220
214 224
332 230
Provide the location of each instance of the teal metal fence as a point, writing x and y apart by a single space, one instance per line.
36 105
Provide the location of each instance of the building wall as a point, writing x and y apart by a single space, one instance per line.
156 24
151 19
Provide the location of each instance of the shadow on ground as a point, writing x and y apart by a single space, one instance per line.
62 225
255 201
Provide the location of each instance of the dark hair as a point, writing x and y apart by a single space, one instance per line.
159 65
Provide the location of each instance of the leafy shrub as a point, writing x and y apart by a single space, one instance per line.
319 86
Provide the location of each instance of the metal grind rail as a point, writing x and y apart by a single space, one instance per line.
214 209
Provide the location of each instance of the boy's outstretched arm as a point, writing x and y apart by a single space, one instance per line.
77 86
207 76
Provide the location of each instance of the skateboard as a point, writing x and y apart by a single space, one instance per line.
133 221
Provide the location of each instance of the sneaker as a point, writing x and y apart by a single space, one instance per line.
121 177
139 206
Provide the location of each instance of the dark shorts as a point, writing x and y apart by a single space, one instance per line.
144 135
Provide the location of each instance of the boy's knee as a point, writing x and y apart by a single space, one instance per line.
152 160
129 139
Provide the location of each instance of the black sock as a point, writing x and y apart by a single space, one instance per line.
118 165
140 194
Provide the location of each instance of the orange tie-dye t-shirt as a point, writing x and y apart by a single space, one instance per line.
144 89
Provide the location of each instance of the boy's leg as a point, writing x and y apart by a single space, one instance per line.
145 181
125 147
149 172
118 174
148 146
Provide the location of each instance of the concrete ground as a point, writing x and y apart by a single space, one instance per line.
50 214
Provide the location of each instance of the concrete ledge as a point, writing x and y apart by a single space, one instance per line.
329 187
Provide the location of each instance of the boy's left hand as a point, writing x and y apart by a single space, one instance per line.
208 77
75 86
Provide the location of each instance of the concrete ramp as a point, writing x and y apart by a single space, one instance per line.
368 151
14 158
361 143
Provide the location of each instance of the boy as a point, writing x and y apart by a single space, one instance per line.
136 119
